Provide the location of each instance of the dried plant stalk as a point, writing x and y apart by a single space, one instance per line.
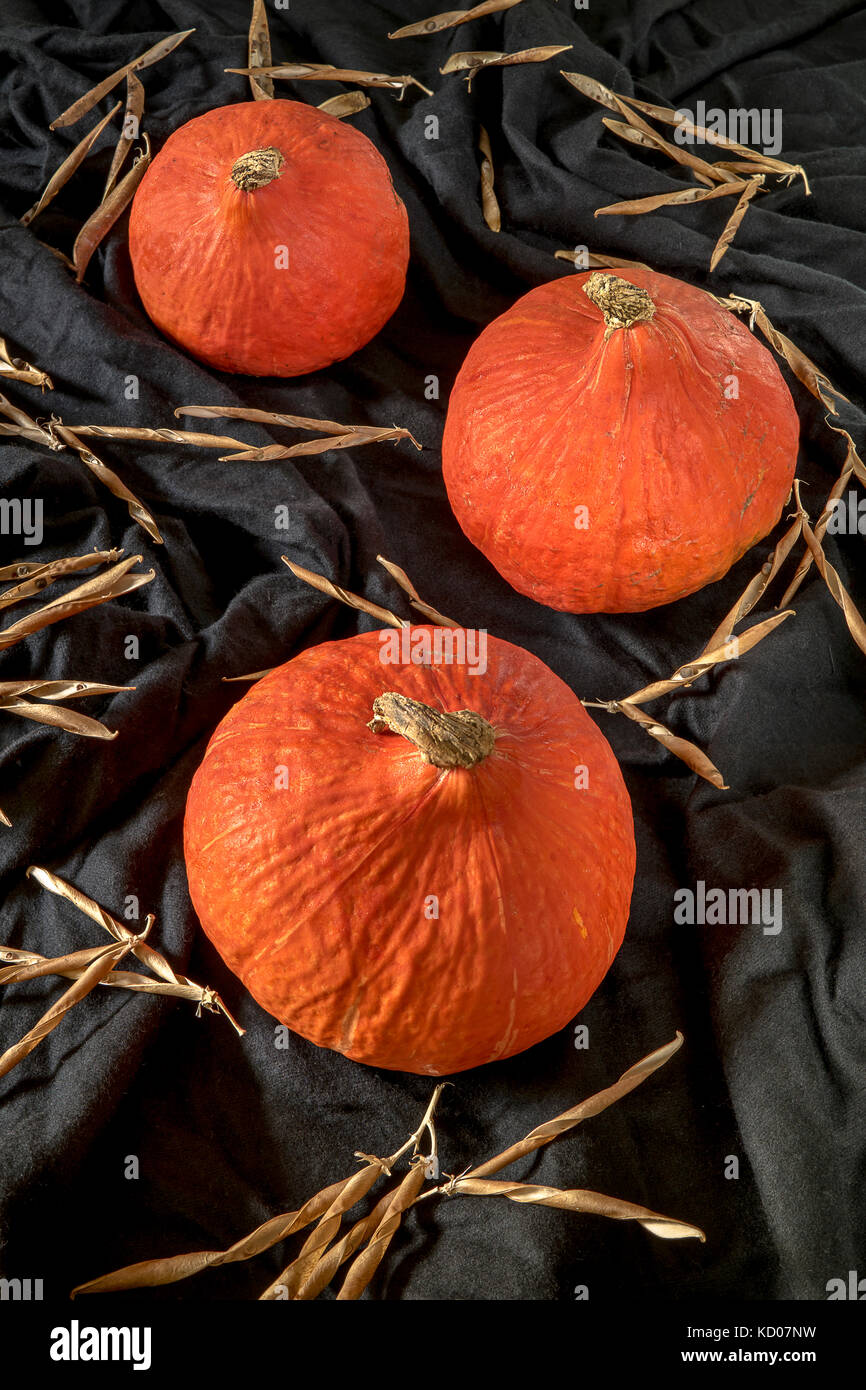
69 720
356 1187
91 977
489 201
853 618
682 748
27 425
728 649
633 136
160 436
577 1199
56 690
473 63
803 367
147 954
308 1264
326 72
86 103
100 222
852 467
736 217
16 369
594 258
365 434
633 207
109 479
29 966
598 92
364 1266
116 979
329 1201
756 587
259 52
638 132
172 1268
452 18
38 577
263 417
111 584
401 577
72 161
586 1109
325 586
346 104
543 1134
132 117
339 436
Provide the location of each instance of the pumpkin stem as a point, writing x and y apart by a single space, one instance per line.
460 739
257 168
622 304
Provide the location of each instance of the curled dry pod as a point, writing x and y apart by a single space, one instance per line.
433 889
614 442
267 238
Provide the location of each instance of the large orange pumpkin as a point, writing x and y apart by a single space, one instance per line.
438 888
267 238
614 442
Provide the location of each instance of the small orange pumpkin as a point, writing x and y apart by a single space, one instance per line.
437 889
267 238
614 442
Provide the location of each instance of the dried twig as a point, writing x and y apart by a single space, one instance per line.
346 104
326 72
159 436
452 18
86 103
129 133
112 583
489 201
330 1200
576 1199
802 366
338 436
16 369
475 62
148 955
103 962
115 202
72 161
852 468
34 578
586 260
109 478
326 586
736 217
402 579
635 206
853 618
259 51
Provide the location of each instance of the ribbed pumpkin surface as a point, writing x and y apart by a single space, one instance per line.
282 279
678 435
319 895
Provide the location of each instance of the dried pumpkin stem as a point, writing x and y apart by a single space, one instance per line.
460 739
257 168
621 303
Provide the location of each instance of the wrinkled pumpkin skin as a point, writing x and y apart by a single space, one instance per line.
680 476
315 895
206 255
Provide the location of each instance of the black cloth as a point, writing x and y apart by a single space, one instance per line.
229 1131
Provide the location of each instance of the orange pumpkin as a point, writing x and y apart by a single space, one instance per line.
267 238
614 442
437 889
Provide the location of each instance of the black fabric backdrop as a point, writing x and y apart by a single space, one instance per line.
229 1131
